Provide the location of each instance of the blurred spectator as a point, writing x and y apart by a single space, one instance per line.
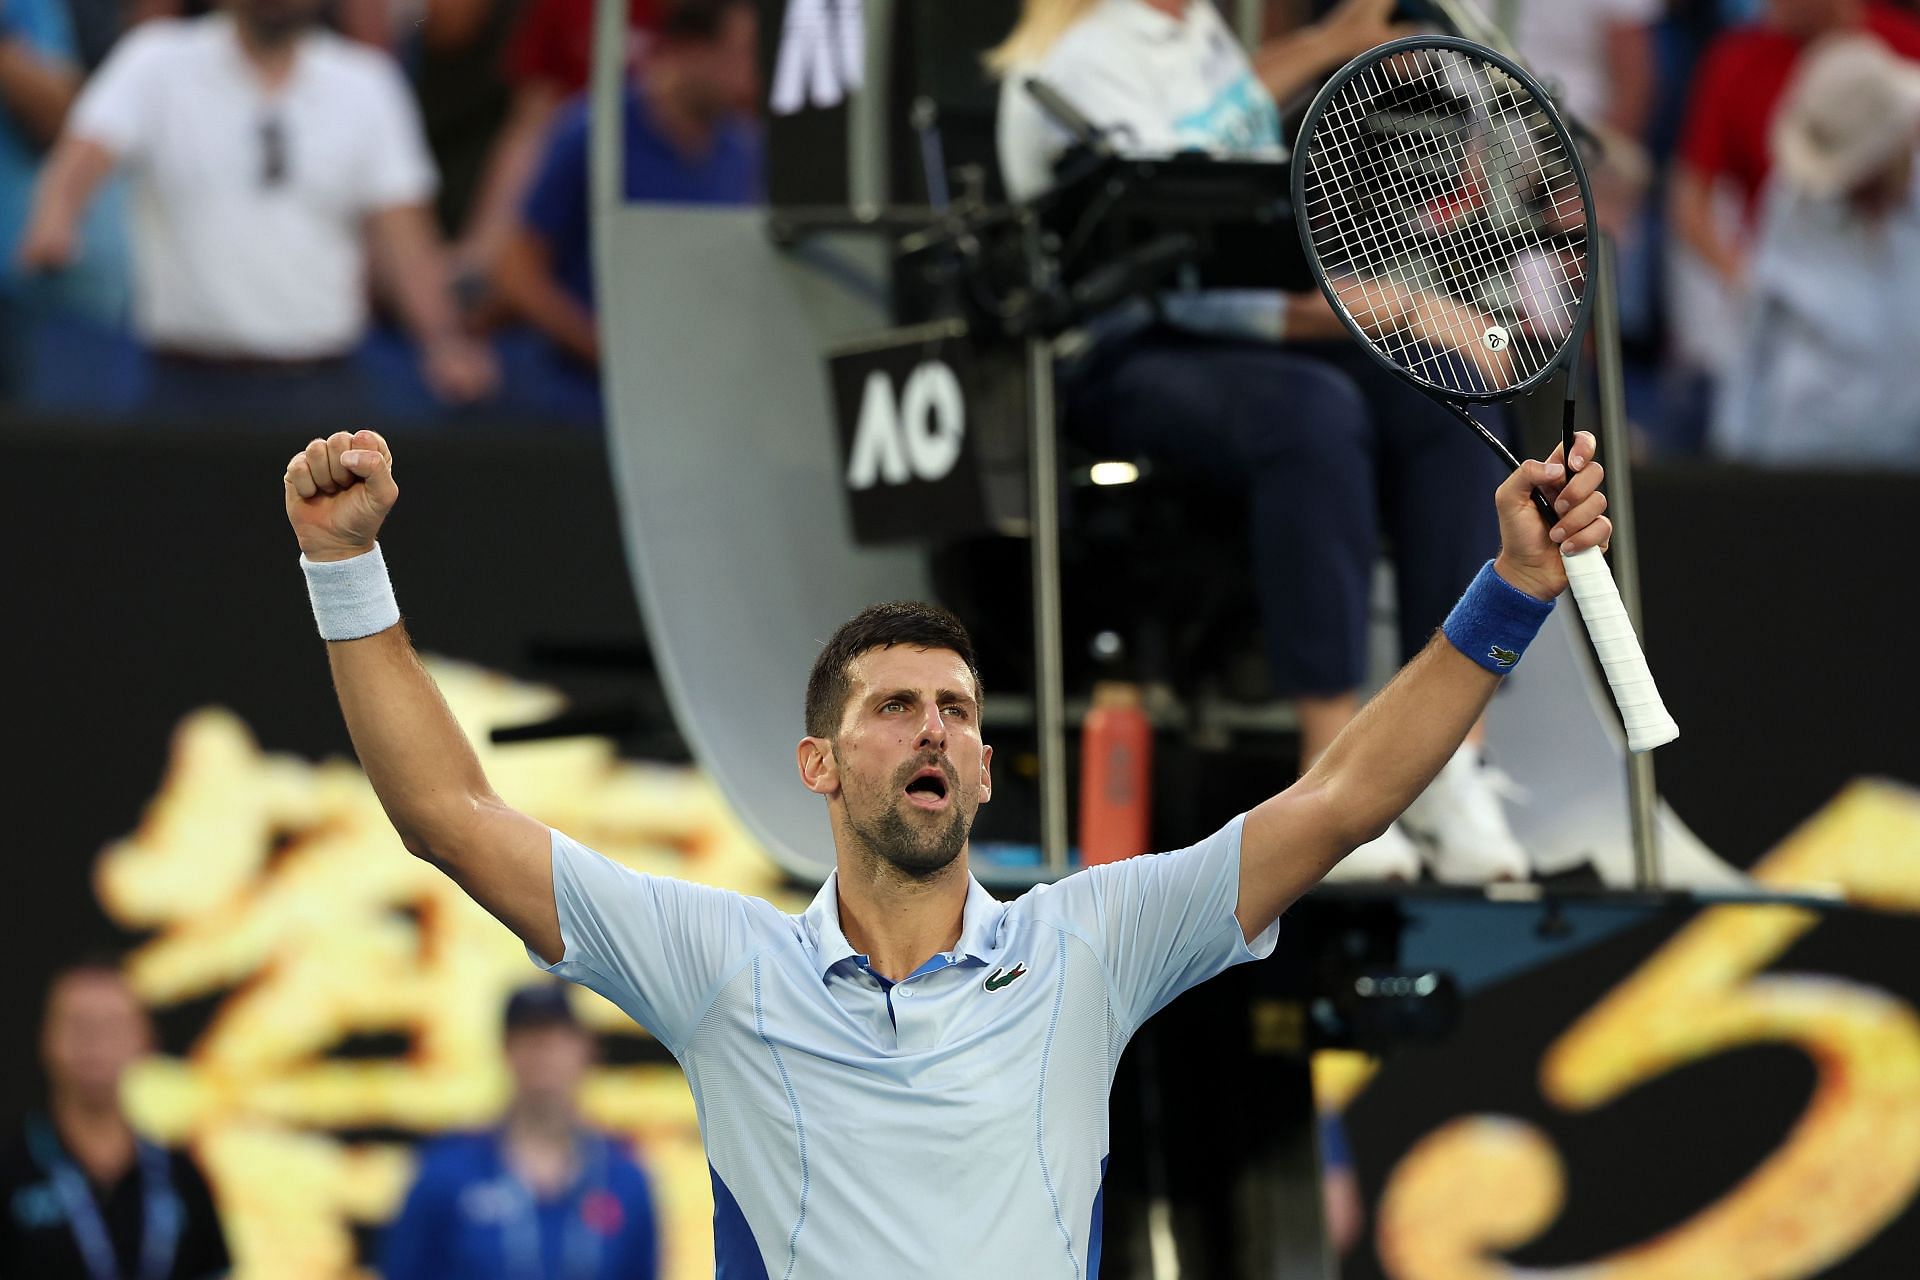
540 1198
368 21
1342 1206
553 45
1824 373
1724 157
40 70
85 1196
547 62
97 27
688 140
269 158
1597 55
454 56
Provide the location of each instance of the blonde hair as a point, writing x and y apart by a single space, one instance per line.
1042 23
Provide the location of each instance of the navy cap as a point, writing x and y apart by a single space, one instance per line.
543 1005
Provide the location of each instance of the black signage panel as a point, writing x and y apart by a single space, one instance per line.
932 442
813 58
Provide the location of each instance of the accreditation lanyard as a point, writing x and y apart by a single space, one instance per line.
582 1246
160 1210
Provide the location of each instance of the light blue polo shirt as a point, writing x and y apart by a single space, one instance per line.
952 1124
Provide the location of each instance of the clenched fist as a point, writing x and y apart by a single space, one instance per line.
338 493
1530 552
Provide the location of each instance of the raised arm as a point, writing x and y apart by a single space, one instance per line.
338 493
1400 739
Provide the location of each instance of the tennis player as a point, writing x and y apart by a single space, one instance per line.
909 1078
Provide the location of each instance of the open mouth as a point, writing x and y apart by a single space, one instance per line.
927 789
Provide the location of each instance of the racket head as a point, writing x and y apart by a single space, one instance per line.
1444 209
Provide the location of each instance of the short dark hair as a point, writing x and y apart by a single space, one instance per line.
879 626
541 1004
698 20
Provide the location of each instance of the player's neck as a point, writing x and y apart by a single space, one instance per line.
95 1133
899 924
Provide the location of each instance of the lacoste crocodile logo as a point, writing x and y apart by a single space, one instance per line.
994 981
1505 657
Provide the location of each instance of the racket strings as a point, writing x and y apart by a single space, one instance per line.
1406 186
1448 218
1463 260
1370 262
1427 153
1411 196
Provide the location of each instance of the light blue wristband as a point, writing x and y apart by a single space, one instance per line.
1495 621
351 598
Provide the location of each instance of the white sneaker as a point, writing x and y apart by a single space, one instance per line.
1461 820
1389 857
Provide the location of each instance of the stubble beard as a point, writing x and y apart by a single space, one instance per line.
912 848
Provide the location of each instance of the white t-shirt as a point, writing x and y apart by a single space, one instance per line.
1823 375
1159 84
227 262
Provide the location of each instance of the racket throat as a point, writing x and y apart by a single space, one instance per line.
1499 446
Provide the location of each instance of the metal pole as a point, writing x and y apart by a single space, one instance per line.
1249 19
868 124
607 87
1642 797
1049 637
1049 668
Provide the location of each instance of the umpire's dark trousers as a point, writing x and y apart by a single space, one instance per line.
1329 452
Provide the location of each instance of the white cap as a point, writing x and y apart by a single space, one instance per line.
1851 107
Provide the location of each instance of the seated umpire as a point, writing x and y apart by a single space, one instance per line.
1263 395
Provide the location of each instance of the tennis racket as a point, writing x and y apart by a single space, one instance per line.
1445 213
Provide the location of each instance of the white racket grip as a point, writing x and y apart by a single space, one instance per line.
1648 724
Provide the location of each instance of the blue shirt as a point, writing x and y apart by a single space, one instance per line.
469 1216
96 285
556 208
950 1124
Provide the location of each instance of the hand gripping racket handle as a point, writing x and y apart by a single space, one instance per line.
1646 718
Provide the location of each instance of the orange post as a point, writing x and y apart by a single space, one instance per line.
1116 775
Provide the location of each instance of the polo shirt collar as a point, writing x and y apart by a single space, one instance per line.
979 925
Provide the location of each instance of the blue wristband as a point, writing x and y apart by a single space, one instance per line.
1495 621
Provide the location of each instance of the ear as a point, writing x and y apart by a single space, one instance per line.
819 771
986 774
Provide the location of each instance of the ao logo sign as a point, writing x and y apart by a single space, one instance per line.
917 438
823 52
